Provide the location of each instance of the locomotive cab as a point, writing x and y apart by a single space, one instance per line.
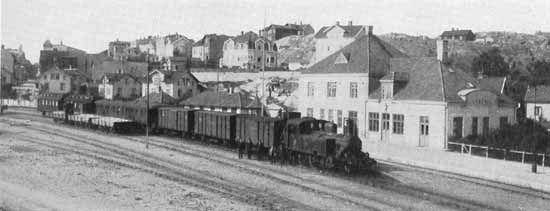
316 141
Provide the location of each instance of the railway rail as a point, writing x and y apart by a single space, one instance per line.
438 198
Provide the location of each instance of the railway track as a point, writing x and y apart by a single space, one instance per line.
434 197
438 198
169 170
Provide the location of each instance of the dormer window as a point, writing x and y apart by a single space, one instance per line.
343 58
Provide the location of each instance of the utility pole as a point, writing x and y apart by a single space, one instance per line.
147 112
263 68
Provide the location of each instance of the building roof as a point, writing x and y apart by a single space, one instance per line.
495 84
430 80
349 30
223 100
246 37
220 37
75 73
357 58
172 76
115 77
457 32
137 69
542 94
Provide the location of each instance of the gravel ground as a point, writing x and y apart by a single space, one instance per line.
36 177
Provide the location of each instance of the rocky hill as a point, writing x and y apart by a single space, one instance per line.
518 49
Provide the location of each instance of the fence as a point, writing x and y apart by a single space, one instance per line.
19 103
498 153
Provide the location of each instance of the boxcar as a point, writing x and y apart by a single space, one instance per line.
49 102
176 119
82 104
215 125
261 131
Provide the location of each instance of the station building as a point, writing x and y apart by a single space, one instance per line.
413 101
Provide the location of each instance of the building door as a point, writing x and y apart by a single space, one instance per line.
385 127
424 131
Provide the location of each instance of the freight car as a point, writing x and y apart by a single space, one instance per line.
176 120
49 102
301 140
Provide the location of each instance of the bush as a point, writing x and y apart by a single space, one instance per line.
526 136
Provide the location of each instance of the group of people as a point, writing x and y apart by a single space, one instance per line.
276 154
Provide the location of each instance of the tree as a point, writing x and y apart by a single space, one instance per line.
490 63
540 73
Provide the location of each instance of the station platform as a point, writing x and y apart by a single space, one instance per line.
508 172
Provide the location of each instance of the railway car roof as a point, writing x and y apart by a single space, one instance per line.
219 113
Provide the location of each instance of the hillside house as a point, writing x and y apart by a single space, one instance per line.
63 81
174 45
209 50
395 99
330 39
117 50
249 51
275 32
177 84
459 34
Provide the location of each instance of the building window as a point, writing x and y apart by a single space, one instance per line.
485 125
398 123
457 127
503 121
374 121
134 91
474 125
119 91
538 110
61 86
424 125
339 118
309 112
352 115
330 115
331 89
310 88
353 89
321 113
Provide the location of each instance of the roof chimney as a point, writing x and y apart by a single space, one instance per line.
242 32
369 27
350 23
442 50
338 23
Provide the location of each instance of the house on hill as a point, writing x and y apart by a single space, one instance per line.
249 51
118 50
63 81
459 34
275 32
209 50
411 101
62 56
330 39
537 102
177 84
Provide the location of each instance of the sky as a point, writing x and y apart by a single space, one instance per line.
91 24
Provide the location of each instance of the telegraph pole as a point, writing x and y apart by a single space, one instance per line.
147 112
263 68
